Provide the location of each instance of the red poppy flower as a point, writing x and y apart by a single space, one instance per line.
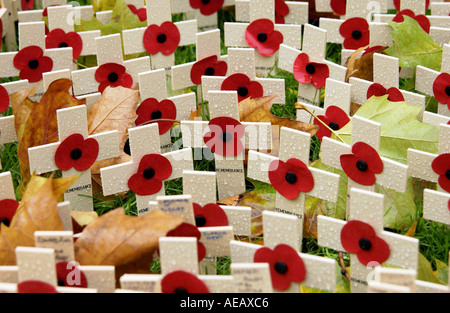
306 72
397 4
35 286
57 38
378 90
209 66
4 99
356 33
362 165
423 21
262 36
285 265
281 10
112 74
141 13
152 170
8 208
441 89
27 5
334 117
32 63
339 6
243 85
76 152
164 38
182 282
441 166
152 109
70 276
360 238
209 215
224 136
371 49
189 230
290 178
207 7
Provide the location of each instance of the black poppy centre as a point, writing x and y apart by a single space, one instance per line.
205 2
33 64
226 137
365 244
356 34
280 267
5 221
262 37
156 115
447 91
113 77
242 91
63 45
209 71
76 154
291 178
180 290
310 69
200 221
361 165
148 173
447 174
334 126
161 38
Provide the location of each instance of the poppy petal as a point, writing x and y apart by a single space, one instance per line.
213 215
35 286
369 155
351 234
208 66
70 275
299 69
441 88
319 78
376 90
395 95
4 99
337 115
207 7
144 187
323 131
296 268
441 164
339 6
348 164
181 281
90 149
63 159
261 35
160 164
8 208
165 109
379 252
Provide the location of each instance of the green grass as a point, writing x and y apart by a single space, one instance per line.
434 237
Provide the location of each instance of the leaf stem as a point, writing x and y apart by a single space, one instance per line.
300 106
342 265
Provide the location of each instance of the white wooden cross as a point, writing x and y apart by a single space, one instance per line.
207 45
425 79
6 193
440 8
8 19
314 46
108 50
159 12
297 12
229 169
144 146
280 228
72 122
367 207
178 254
152 86
435 203
389 279
7 130
235 34
393 175
385 73
324 6
204 22
242 61
294 144
33 34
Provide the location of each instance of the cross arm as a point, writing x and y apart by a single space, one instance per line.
329 230
435 206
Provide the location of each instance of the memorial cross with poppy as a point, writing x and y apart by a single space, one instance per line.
8 203
286 12
74 154
291 175
364 237
288 267
161 37
309 66
148 169
262 34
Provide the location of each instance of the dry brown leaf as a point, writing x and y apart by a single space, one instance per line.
362 67
115 110
126 242
37 211
195 115
351 62
36 123
80 219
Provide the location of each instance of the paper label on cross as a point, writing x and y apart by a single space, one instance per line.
144 140
159 12
217 240
403 251
42 159
141 282
60 241
180 206
251 278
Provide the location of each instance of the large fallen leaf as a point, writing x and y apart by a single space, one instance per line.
126 242
425 51
115 110
400 128
425 271
37 211
361 67
36 123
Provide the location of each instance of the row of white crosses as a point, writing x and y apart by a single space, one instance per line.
298 12
39 263
159 12
368 207
235 33
294 144
435 203
73 121
314 45
229 169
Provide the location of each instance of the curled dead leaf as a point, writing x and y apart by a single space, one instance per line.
361 67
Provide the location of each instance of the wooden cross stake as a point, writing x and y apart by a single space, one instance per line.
298 12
